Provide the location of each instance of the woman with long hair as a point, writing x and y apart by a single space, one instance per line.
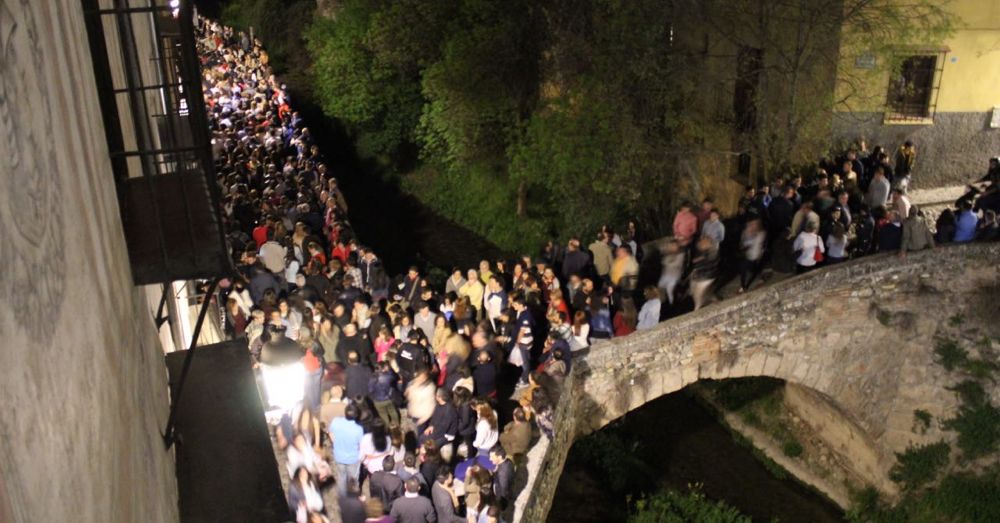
303 495
487 431
236 321
383 341
375 446
478 483
430 459
402 326
307 425
836 244
464 314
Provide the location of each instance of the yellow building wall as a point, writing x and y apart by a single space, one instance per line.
971 75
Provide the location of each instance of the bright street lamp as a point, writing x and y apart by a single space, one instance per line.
283 374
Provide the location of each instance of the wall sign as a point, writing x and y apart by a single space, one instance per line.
865 61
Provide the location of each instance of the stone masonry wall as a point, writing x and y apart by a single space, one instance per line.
859 334
82 378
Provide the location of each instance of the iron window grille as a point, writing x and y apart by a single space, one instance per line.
914 85
149 83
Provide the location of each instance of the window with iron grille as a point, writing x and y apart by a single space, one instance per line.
913 88
149 83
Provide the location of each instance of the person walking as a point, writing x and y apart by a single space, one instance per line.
704 269
752 242
345 434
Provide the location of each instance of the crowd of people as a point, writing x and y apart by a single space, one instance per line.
422 400
405 412
849 207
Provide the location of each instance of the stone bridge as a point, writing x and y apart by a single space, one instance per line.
858 335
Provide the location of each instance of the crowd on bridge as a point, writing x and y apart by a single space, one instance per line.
422 400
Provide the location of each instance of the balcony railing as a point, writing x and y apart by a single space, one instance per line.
149 83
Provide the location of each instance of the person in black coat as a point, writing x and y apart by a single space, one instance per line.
575 261
780 213
411 358
503 476
443 425
466 429
890 234
356 376
484 374
385 484
351 341
443 495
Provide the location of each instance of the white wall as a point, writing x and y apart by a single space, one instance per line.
82 379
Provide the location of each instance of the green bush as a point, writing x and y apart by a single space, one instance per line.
670 506
980 369
865 503
970 392
922 418
950 354
792 448
978 427
962 497
919 466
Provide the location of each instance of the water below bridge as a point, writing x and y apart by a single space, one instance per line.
675 441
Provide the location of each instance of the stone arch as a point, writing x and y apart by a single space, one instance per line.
793 330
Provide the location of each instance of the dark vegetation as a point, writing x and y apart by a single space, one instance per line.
526 120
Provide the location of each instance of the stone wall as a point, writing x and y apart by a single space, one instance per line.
859 333
82 377
952 151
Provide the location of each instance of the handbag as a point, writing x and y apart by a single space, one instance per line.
818 255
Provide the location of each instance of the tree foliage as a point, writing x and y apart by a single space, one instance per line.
537 118
671 506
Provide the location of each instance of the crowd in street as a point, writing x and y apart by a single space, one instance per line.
422 400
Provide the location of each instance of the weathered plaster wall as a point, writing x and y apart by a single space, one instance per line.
954 150
81 373
859 333
835 428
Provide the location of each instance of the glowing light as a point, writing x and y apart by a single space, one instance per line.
285 385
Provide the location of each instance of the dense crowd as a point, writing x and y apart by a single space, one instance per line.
421 401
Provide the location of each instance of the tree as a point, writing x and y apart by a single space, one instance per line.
368 62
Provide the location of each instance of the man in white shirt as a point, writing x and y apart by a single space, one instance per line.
272 254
